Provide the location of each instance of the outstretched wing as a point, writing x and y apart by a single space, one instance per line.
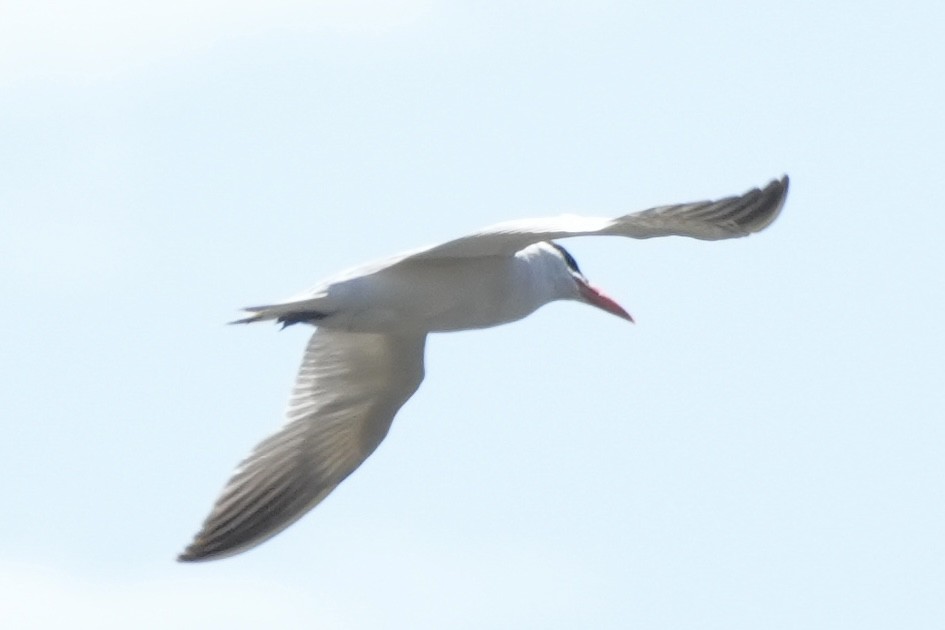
348 390
731 217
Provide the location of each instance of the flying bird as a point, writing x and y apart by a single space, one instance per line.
365 358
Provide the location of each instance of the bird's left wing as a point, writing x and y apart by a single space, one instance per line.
731 217
348 389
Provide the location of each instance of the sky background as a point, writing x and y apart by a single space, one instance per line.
763 449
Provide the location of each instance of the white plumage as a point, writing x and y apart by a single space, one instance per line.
366 357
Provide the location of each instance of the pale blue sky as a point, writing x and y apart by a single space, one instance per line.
762 450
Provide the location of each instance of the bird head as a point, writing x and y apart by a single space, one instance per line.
584 291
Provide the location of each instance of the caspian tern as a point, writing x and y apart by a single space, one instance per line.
365 358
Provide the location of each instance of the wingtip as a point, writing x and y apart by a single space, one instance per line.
196 552
784 184
191 553
774 196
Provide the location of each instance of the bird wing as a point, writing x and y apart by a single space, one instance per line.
349 388
731 217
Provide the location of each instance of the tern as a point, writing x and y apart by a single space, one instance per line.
365 358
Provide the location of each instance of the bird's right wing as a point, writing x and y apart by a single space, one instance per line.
731 217
348 389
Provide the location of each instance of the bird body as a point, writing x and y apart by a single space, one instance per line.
433 295
365 358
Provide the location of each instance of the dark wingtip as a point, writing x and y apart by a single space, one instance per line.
781 186
194 553
768 205
190 553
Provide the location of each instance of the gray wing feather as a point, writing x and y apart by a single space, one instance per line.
731 217
349 388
